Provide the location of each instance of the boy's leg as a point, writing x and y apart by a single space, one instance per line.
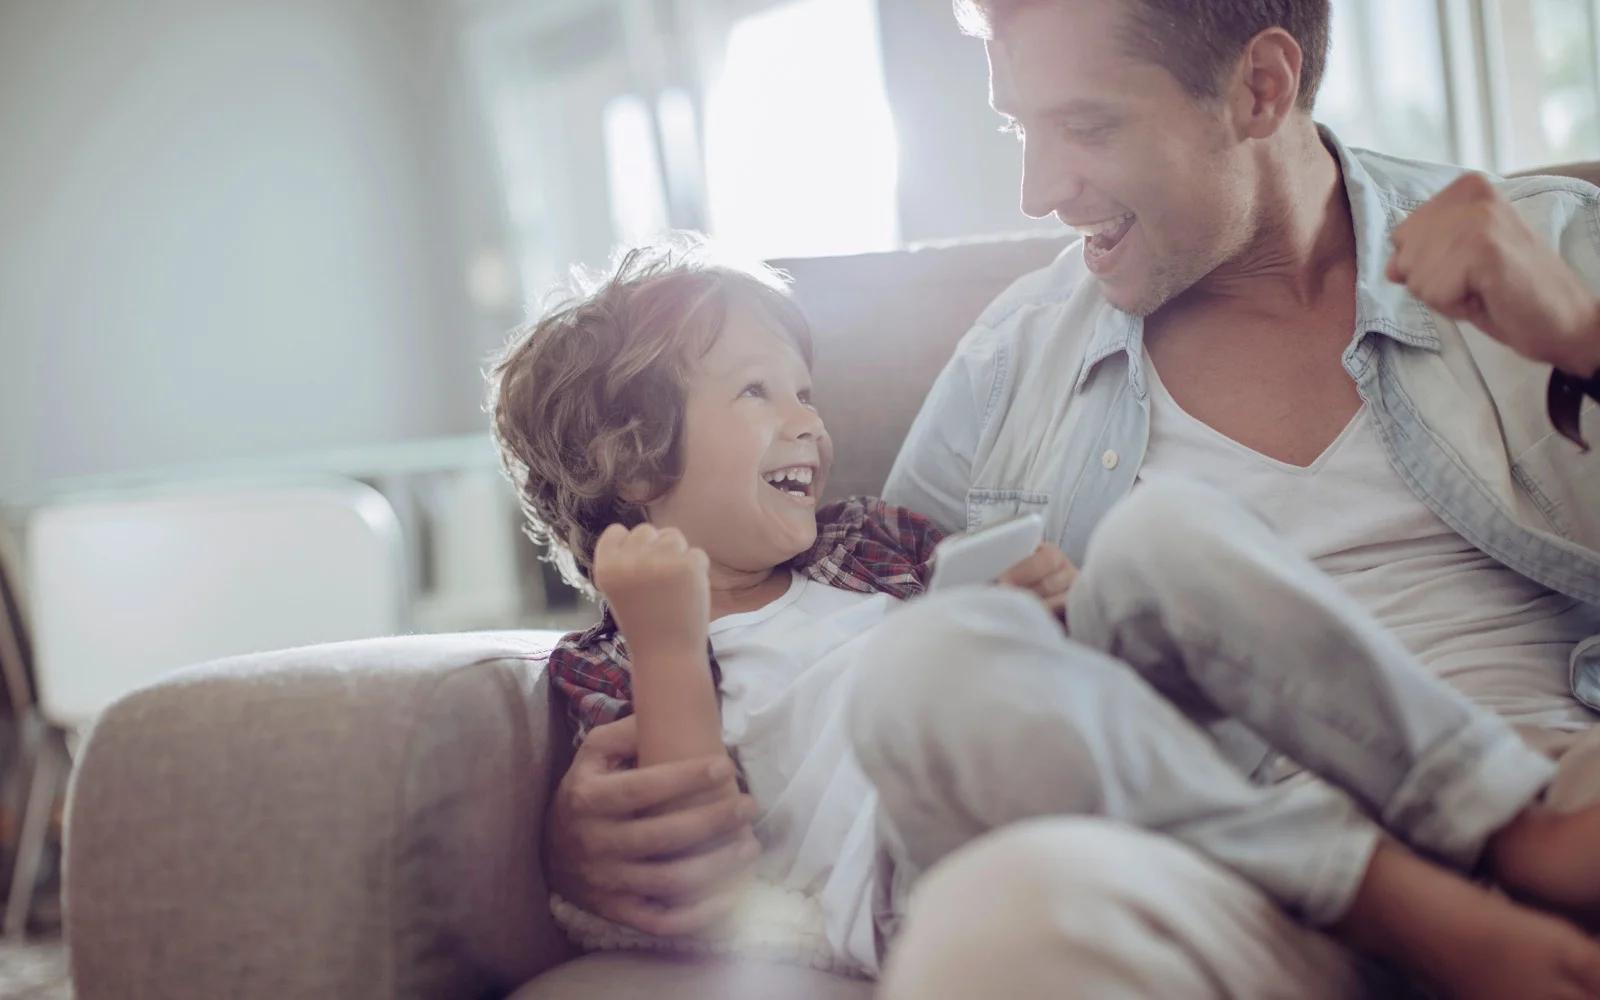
974 710
1225 619
1082 907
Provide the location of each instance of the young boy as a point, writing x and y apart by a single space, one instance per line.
661 436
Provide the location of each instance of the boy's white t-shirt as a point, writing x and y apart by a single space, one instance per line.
788 670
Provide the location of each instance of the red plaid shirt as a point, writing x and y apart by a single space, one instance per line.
863 544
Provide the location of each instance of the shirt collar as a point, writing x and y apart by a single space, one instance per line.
1381 305
1115 331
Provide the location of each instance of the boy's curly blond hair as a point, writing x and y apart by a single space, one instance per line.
588 400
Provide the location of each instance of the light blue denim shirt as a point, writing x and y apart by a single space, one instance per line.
1045 404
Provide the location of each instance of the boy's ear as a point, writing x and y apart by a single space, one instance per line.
636 491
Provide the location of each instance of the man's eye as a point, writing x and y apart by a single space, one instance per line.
755 390
1088 133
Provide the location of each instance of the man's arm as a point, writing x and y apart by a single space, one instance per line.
933 471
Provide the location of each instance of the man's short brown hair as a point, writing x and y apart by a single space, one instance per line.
1197 41
588 400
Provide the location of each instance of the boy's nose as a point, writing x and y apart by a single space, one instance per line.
804 424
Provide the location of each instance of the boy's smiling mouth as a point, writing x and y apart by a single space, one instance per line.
793 481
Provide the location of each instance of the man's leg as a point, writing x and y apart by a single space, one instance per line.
974 710
1089 908
1226 620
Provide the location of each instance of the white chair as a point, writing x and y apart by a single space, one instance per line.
123 589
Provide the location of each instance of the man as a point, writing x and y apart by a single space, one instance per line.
1257 305
1356 346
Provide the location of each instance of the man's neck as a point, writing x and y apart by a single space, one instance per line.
1304 247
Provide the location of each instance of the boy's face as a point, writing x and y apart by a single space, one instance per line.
748 420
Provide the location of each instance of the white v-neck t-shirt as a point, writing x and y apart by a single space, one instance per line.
1498 637
788 670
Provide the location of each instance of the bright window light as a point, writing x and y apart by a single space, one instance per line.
1384 88
800 148
638 197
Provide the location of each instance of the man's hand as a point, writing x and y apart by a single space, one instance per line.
657 588
1048 573
603 857
1468 255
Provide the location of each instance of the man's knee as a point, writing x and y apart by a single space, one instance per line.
1045 906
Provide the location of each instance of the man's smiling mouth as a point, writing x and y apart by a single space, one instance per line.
1104 236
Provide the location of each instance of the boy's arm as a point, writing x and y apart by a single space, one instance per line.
658 591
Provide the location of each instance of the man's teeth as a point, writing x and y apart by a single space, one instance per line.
1102 228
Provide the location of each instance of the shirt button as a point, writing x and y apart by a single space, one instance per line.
1109 460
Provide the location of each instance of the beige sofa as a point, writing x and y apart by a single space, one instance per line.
362 820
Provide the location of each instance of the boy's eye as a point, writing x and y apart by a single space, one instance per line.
805 396
755 390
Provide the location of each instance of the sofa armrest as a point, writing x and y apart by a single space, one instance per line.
359 819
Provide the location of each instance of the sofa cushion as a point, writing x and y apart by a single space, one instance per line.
885 324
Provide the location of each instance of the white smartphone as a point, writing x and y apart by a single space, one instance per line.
981 556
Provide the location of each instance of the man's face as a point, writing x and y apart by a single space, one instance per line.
1115 147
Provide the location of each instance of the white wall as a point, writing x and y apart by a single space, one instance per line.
229 229
958 175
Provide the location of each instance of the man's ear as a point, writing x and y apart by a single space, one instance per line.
1265 89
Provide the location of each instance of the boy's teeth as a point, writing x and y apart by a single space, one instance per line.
799 474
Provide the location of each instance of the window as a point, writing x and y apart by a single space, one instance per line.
633 171
1382 89
1565 52
1501 85
800 148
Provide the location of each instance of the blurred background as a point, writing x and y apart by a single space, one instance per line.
255 256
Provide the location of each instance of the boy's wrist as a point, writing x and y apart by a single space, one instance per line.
668 652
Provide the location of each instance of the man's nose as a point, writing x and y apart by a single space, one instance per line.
1049 180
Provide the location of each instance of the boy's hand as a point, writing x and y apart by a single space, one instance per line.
658 588
1048 573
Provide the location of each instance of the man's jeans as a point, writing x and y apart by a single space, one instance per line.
1197 639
